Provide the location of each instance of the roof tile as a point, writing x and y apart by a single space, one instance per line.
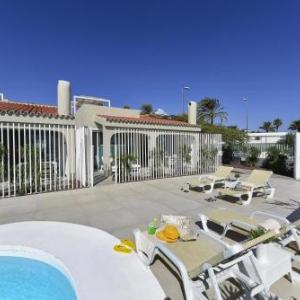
18 108
145 119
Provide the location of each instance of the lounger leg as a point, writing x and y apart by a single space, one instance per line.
210 189
145 250
248 201
203 220
215 285
272 192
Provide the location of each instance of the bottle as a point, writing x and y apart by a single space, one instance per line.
152 227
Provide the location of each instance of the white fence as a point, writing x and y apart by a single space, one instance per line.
37 158
150 154
297 157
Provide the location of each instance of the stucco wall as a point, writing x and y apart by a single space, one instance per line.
87 114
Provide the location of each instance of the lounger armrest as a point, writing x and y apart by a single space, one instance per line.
233 262
273 216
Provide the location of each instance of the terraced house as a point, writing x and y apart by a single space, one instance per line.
84 140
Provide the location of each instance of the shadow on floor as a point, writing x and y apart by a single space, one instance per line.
291 204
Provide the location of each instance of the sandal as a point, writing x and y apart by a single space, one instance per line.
122 249
128 243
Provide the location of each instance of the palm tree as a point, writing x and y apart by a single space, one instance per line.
209 109
146 109
295 125
277 123
267 126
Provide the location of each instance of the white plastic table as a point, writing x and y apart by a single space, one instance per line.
97 271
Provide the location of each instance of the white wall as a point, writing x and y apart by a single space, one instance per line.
266 137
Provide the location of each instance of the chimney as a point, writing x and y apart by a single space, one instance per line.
192 113
64 97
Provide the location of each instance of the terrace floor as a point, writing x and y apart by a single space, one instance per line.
118 209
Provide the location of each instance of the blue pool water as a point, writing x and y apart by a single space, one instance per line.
28 279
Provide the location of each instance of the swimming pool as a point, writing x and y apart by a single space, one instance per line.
29 279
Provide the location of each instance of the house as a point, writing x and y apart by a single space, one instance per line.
266 137
82 138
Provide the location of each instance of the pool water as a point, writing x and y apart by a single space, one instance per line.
28 279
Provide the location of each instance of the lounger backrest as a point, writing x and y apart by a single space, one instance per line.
223 171
259 177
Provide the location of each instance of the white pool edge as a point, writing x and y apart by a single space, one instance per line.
39 255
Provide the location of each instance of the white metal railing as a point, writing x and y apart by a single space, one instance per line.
149 154
37 158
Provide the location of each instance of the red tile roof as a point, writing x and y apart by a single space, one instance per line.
145 119
17 108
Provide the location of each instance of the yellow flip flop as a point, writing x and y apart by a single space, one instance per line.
122 249
128 243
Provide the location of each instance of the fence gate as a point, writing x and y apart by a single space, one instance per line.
151 154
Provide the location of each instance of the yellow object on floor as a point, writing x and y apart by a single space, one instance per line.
128 243
122 249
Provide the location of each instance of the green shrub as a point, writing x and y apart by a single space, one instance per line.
252 156
255 233
276 161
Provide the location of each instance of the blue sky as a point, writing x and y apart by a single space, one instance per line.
136 52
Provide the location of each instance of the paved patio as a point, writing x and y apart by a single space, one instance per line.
118 209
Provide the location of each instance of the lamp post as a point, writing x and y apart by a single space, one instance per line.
182 91
245 100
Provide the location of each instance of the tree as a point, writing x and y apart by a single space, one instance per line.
182 117
126 107
277 123
232 137
209 109
146 109
295 125
267 126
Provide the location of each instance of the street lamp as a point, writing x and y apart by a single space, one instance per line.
245 100
183 89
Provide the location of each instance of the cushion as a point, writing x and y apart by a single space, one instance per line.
195 254
271 224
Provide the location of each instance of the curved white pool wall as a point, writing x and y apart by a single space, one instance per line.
86 255
39 255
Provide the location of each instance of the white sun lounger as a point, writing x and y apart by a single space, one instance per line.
195 260
269 263
292 236
207 183
231 220
257 182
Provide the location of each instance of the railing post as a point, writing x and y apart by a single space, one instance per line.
297 156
